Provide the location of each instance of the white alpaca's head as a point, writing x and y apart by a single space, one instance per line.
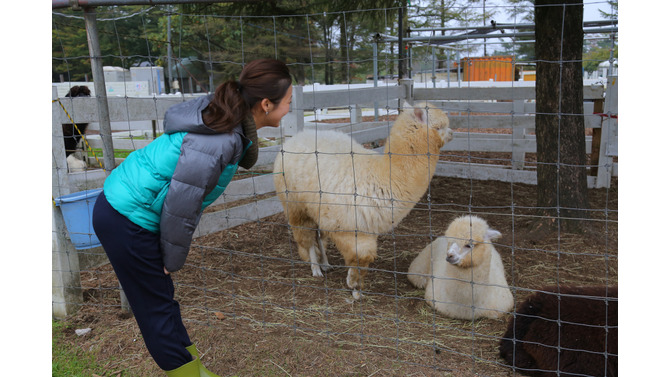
433 117
468 241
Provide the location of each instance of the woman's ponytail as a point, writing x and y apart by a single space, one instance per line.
227 108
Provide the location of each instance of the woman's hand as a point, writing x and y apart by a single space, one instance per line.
166 271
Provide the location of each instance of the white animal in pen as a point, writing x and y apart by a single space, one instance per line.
75 164
463 273
331 186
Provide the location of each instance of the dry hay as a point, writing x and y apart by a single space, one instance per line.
253 307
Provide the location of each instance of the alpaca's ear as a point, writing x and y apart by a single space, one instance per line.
421 115
492 235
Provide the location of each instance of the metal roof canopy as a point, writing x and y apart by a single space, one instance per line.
58 4
484 32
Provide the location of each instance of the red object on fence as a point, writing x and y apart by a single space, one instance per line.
603 115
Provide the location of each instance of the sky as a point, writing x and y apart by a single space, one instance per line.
591 7
501 9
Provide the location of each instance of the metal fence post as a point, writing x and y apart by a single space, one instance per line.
375 73
298 107
408 91
100 88
103 107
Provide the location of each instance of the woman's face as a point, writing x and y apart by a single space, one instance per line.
270 114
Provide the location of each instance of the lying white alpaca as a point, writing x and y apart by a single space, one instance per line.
450 264
332 186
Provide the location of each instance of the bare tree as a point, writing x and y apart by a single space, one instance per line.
561 145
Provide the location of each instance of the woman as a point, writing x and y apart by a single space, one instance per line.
151 203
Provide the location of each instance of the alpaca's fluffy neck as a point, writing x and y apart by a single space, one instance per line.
407 161
412 138
480 273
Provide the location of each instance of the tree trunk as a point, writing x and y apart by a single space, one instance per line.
343 68
561 143
328 77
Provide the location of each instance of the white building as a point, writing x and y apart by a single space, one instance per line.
603 68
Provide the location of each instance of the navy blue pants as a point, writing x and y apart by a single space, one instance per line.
135 254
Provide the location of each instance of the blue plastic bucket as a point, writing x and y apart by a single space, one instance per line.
77 211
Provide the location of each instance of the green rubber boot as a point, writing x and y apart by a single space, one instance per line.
190 369
203 371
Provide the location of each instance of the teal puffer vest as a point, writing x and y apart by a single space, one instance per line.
138 187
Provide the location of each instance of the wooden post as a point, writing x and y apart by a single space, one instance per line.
595 140
66 293
608 139
356 114
154 128
294 121
518 136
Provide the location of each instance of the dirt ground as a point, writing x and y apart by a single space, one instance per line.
254 309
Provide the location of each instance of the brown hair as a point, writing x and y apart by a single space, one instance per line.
233 100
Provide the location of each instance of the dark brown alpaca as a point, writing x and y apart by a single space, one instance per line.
587 336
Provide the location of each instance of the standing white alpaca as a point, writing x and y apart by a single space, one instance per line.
463 273
332 186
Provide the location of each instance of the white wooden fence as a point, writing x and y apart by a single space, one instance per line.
513 108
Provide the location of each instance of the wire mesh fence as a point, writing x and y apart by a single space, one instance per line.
263 301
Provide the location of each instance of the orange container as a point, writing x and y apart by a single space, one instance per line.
529 76
496 68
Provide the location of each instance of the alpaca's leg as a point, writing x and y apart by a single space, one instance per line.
325 266
358 251
304 244
306 238
314 262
